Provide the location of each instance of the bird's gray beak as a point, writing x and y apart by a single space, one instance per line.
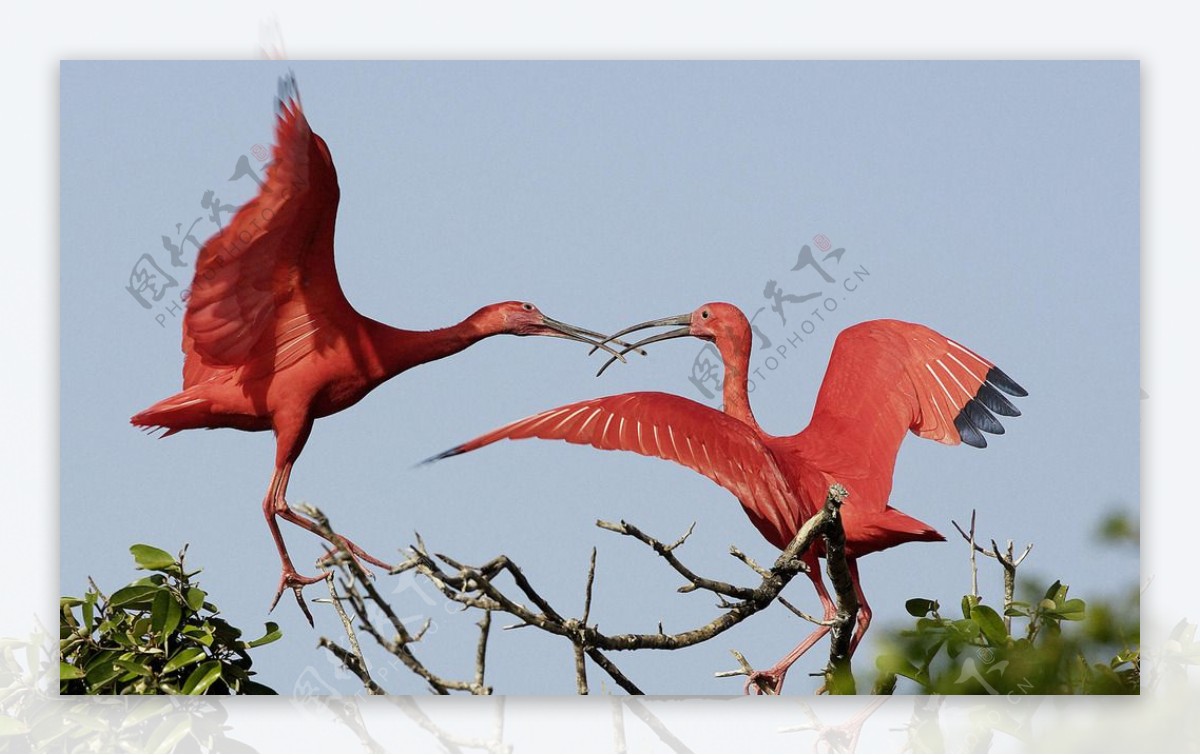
556 329
686 330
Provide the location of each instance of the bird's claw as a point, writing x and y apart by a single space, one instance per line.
297 582
769 682
356 553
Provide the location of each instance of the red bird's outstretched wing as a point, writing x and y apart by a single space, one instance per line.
721 448
266 283
887 377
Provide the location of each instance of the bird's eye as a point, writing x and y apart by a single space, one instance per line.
527 307
704 314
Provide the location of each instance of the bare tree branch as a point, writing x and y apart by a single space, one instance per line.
353 576
837 674
1006 561
353 658
666 551
483 588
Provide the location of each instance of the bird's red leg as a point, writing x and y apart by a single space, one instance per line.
864 610
290 442
774 675
291 435
342 542
771 680
289 578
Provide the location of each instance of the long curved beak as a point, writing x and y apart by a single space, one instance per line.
556 329
684 320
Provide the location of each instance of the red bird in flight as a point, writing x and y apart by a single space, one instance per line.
885 378
270 341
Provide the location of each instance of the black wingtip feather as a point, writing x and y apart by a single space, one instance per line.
968 433
995 401
982 418
976 414
443 455
997 378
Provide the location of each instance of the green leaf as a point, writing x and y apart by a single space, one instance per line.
892 663
100 674
133 666
931 625
965 629
165 614
89 611
150 558
273 633
1017 608
233 674
969 602
140 627
920 607
255 688
1057 592
133 595
67 671
183 658
1072 610
199 634
1104 681
932 652
195 598
202 678
990 624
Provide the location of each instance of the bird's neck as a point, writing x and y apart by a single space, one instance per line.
399 350
736 356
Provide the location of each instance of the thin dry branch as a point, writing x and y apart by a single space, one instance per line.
837 673
352 658
483 587
354 576
695 581
1006 560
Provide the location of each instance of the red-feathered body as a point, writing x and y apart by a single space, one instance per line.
270 341
885 378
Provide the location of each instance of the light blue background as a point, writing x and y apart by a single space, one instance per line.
996 203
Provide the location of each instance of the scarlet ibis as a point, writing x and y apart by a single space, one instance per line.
884 378
270 341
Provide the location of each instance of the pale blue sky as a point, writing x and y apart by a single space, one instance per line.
996 203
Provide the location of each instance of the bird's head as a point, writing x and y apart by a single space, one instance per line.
521 318
717 321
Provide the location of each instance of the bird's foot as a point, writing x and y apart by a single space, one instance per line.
356 553
296 582
769 682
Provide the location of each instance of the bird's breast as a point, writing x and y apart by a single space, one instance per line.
340 393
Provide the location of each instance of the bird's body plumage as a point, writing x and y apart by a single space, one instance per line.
885 378
270 341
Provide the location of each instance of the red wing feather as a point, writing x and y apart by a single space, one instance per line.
887 377
266 283
714 444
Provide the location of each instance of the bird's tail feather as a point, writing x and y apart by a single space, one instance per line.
182 411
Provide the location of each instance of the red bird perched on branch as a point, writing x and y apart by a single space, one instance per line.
271 342
885 378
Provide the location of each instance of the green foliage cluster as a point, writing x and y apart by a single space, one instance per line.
982 653
157 635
